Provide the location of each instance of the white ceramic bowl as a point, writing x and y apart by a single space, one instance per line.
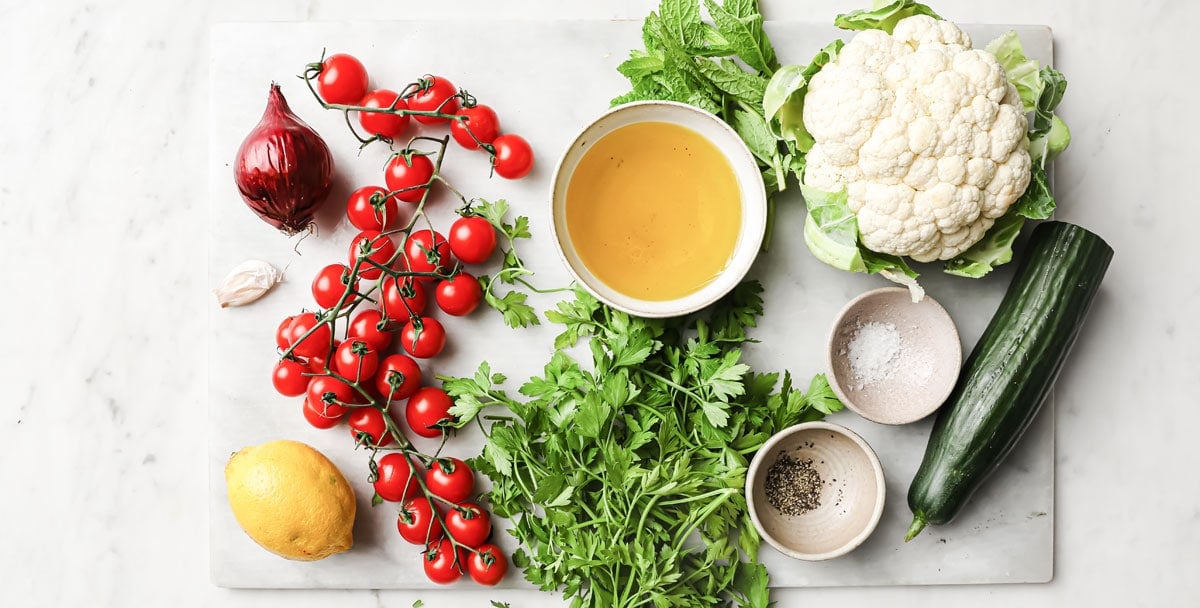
750 186
926 367
852 492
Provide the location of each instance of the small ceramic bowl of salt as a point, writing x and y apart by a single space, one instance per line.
891 360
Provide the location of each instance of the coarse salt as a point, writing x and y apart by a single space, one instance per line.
874 352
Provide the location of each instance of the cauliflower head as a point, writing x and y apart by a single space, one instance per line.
924 133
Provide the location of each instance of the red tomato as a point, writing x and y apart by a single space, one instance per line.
325 416
283 337
453 482
317 364
487 565
428 251
459 295
370 208
395 480
481 121
370 326
330 285
356 360
436 95
469 524
398 378
410 176
423 337
472 239
317 343
514 157
369 420
417 523
443 563
379 123
343 79
289 379
381 249
327 390
402 300
427 408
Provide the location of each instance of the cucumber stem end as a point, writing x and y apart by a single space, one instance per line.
918 524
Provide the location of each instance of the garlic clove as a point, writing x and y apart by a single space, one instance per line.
246 283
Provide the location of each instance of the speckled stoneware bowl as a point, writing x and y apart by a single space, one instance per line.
923 371
851 496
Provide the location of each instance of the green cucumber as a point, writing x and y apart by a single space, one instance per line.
1010 371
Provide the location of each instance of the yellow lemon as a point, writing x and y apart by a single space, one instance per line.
291 500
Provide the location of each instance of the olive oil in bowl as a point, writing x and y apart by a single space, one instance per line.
654 210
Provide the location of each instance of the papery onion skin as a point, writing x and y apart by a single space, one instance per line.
283 169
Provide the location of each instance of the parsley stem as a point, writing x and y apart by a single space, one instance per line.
672 384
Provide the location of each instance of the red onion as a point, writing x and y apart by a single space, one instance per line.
283 169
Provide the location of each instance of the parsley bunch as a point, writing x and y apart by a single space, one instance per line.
625 481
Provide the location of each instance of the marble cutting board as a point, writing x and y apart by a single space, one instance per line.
546 88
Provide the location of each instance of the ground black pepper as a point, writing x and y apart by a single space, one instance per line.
793 486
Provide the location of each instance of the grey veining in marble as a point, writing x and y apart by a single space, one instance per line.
103 190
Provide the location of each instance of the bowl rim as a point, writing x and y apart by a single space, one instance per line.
880 494
750 235
831 339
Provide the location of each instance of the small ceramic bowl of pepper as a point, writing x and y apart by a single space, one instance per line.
891 360
815 491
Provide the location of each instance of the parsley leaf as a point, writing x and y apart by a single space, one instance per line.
629 476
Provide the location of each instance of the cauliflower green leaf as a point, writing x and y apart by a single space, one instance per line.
783 100
883 15
831 234
994 250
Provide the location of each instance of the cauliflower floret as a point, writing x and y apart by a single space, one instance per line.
924 133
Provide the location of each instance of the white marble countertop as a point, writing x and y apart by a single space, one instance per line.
102 201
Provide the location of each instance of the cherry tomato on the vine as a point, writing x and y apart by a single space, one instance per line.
318 365
283 336
318 341
398 377
428 251
443 562
481 121
379 123
395 480
453 482
367 207
428 407
381 251
331 284
343 79
408 174
472 239
417 523
323 416
369 420
329 391
402 299
356 360
459 295
514 157
423 337
433 98
487 565
369 325
469 524
289 379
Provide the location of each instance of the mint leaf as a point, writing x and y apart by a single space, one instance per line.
745 35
